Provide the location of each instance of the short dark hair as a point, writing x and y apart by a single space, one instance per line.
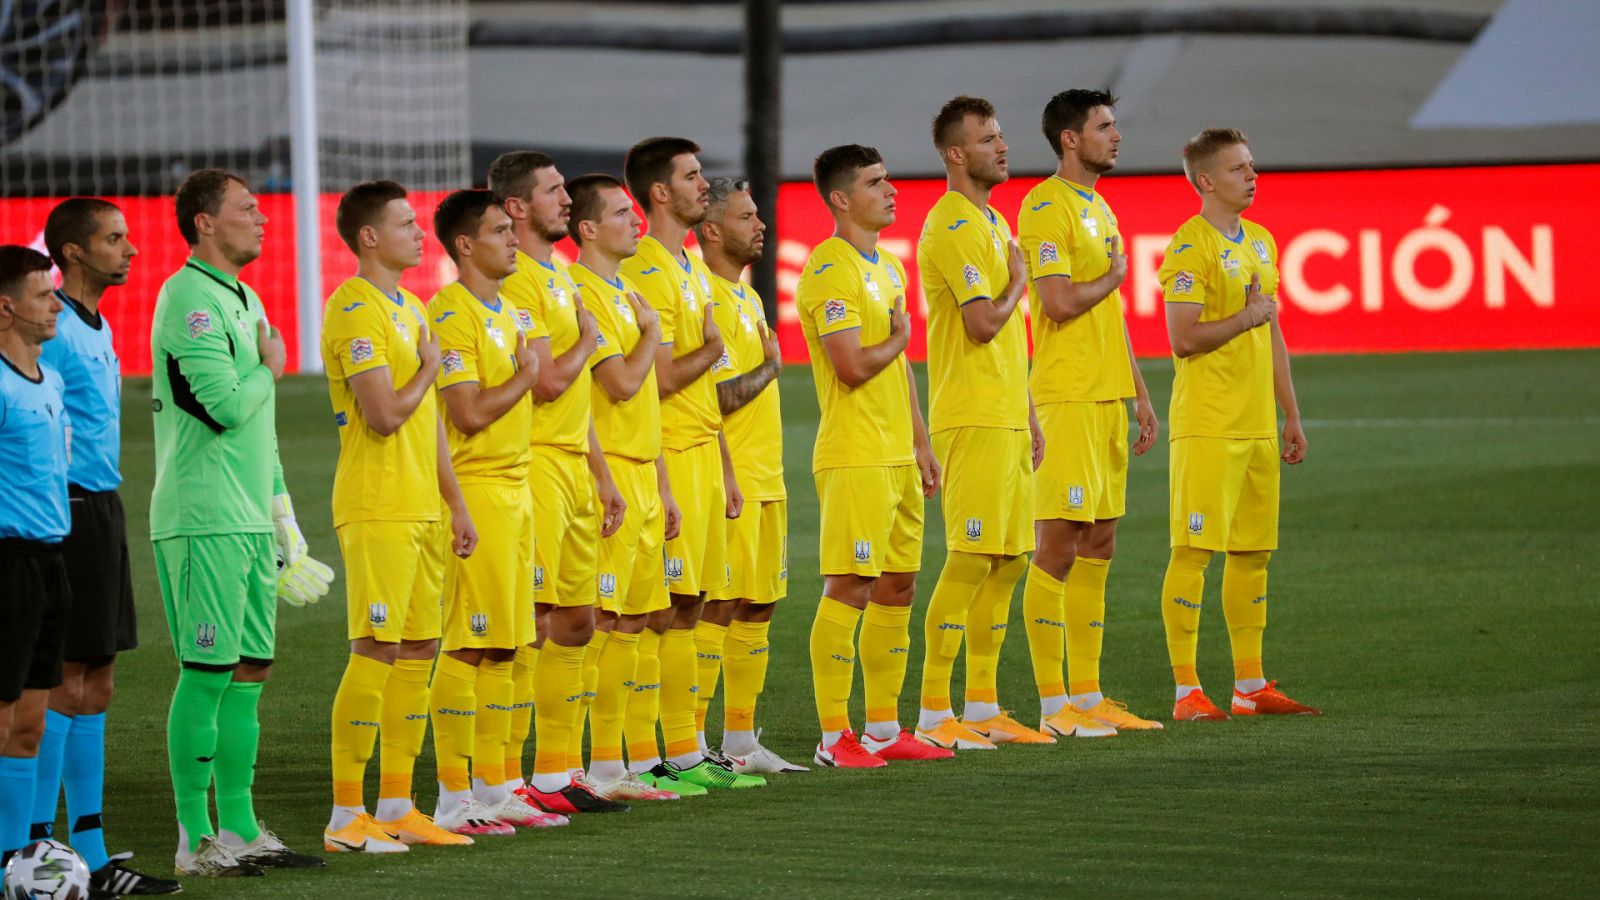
1197 152
585 193
947 124
17 263
720 189
361 206
459 214
74 221
513 174
836 167
1068 110
201 192
649 163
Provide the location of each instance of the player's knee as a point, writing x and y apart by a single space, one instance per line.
1189 559
1249 560
754 612
421 649
895 589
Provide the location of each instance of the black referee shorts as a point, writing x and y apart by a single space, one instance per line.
96 555
33 616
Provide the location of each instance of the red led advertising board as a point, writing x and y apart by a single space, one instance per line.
1373 261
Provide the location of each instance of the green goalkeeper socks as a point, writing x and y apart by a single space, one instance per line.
238 737
192 746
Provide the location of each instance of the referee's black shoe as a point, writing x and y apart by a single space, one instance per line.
117 880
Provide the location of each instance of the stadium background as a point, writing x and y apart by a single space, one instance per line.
1430 173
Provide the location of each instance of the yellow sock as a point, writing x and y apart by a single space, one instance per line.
521 709
885 652
619 661
494 721
678 687
1085 603
946 622
591 683
557 684
401 727
986 627
1044 614
709 641
744 666
1244 605
644 704
453 702
357 706
1181 592
833 661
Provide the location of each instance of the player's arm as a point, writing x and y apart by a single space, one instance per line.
1063 299
463 536
383 407
984 316
621 376
670 514
1188 335
558 373
612 506
737 392
224 398
730 483
856 365
1294 436
673 374
1143 412
927 463
473 407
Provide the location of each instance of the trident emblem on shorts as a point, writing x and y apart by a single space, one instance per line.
1075 496
205 635
479 623
538 578
378 614
974 529
608 585
674 567
1197 521
863 551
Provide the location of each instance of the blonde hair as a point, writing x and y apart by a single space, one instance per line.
1197 153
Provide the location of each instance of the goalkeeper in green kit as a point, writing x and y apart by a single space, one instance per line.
226 543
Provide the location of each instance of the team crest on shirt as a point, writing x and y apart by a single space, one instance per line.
894 277
974 528
205 635
1075 495
1197 522
833 311
524 321
361 350
479 623
451 362
1261 251
199 323
674 568
378 614
969 273
705 286
1047 253
1183 283
863 551
608 585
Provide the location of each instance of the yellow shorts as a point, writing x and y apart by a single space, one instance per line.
697 559
389 590
631 580
1225 493
566 528
488 597
1084 476
758 554
988 489
871 520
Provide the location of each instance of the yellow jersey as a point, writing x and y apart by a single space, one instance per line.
680 293
1226 392
630 429
839 290
755 430
961 257
479 339
1065 230
378 478
547 294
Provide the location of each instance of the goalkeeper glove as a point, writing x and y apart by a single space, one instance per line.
301 579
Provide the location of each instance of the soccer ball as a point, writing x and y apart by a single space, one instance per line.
46 869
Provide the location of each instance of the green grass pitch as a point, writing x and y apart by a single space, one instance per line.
1436 594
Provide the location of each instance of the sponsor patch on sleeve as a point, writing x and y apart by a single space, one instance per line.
1183 283
970 273
451 362
199 323
361 350
833 311
1048 253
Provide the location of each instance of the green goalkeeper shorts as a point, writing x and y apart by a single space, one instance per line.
220 594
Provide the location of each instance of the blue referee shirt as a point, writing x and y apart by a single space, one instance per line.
81 351
34 430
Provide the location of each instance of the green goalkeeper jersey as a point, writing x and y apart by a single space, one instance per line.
216 436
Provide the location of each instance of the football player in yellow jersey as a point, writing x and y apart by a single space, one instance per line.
486 372
1083 375
872 461
574 499
983 429
394 466
731 238
1220 281
665 179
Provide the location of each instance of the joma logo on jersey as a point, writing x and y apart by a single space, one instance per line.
205 635
378 614
863 551
479 623
1185 603
674 568
1075 496
974 528
1197 522
608 585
